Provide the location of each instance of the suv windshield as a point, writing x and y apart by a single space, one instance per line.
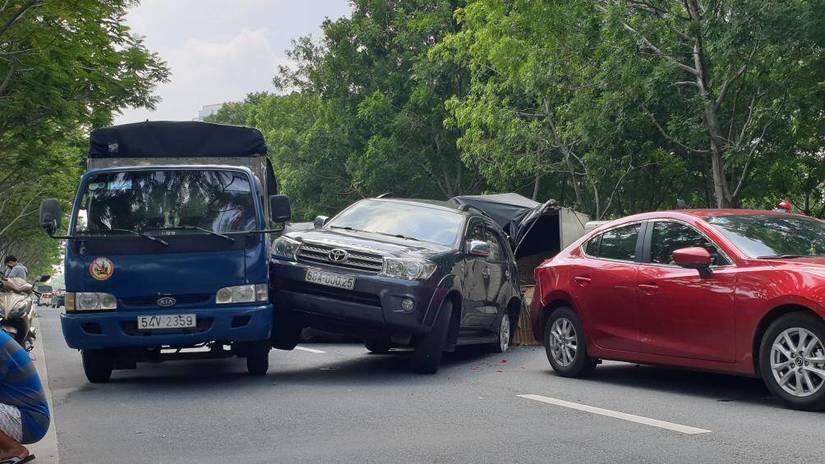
401 220
768 236
183 201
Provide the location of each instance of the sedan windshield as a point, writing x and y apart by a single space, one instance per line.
178 201
768 236
401 220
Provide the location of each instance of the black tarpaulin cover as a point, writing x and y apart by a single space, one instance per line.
516 214
175 138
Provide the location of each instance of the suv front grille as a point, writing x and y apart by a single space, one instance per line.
317 253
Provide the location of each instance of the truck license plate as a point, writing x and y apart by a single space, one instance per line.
330 279
167 321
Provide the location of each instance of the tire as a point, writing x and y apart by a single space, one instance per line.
430 347
569 361
378 345
97 365
286 333
257 359
505 335
803 388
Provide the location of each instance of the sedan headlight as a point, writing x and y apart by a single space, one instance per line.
243 294
285 248
408 268
90 301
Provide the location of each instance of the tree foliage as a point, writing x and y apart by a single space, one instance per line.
65 68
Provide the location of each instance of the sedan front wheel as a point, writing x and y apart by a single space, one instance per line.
792 360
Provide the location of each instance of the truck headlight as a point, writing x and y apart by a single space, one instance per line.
285 248
90 301
243 294
408 268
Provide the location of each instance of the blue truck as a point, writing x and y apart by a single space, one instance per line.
167 246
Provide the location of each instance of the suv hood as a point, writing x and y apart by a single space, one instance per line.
371 242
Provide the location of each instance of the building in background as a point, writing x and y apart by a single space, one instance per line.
208 110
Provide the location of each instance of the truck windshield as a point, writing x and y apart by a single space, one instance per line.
401 220
179 201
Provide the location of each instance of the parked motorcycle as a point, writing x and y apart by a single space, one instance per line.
17 310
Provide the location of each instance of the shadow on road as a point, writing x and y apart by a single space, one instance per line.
722 388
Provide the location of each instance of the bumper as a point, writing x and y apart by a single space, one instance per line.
119 329
373 305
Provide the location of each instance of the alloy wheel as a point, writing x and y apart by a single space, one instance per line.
798 362
504 333
563 341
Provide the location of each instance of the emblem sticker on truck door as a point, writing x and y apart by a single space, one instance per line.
101 269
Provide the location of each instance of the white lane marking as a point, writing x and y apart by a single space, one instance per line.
309 350
618 415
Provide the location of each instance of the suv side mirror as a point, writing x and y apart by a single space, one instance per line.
694 258
320 221
50 215
478 248
279 208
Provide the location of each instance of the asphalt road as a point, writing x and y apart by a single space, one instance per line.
343 405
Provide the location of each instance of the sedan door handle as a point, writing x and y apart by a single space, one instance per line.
581 281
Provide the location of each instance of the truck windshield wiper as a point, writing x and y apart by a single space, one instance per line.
200 229
779 256
104 233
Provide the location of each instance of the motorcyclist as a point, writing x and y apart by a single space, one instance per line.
14 268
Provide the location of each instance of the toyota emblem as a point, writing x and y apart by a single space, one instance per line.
338 255
166 301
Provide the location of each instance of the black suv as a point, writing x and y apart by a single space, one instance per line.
399 272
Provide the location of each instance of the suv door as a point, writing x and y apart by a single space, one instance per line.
681 313
475 288
496 277
604 287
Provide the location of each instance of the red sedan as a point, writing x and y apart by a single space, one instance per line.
734 291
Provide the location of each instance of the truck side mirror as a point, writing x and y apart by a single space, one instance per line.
279 208
320 221
50 215
44 278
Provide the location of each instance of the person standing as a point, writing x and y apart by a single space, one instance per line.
15 269
24 412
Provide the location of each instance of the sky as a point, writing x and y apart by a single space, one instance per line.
221 50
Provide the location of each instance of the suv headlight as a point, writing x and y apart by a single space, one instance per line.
90 301
243 294
408 268
285 248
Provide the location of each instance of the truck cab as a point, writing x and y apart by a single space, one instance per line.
167 246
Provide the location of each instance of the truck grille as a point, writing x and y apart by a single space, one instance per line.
317 253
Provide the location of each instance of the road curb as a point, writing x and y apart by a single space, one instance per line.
46 449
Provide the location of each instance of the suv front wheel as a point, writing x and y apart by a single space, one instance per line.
430 347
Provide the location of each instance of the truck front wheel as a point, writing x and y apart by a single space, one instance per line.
97 365
257 359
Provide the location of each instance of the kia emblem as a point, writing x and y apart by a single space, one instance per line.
166 301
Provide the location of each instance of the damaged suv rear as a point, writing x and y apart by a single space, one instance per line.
425 274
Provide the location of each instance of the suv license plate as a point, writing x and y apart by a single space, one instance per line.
330 279
167 321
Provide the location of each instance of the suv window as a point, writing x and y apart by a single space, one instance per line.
477 231
670 236
497 250
619 244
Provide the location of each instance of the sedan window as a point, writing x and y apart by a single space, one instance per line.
619 244
670 236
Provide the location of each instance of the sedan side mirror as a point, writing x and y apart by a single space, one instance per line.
478 248
320 221
50 216
694 258
279 208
